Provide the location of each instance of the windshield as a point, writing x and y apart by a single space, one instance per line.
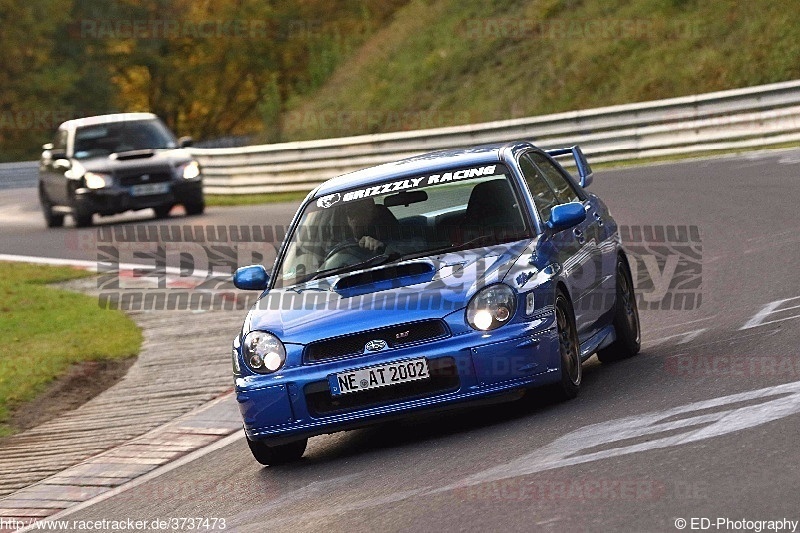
400 219
116 137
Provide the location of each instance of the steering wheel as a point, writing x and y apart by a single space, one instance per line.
349 247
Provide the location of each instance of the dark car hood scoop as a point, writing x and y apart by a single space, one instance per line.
133 154
389 277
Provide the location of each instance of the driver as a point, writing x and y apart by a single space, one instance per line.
371 225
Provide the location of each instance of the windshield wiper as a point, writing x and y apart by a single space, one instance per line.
372 261
396 257
442 250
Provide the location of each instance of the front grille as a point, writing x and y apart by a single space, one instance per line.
128 180
395 337
444 378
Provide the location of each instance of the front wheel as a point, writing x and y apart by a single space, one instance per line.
277 455
195 208
52 220
569 349
83 219
80 213
162 211
626 319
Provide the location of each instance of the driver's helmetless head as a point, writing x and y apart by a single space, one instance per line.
359 215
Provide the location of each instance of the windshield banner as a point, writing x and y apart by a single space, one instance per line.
411 183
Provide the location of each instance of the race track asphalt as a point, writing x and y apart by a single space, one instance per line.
702 424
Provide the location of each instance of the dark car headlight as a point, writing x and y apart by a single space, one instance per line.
491 307
96 180
263 352
190 170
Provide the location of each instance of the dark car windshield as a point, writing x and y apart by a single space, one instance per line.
115 137
402 218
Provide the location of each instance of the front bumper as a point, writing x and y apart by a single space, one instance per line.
118 199
466 366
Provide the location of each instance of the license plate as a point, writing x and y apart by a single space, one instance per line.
146 189
378 376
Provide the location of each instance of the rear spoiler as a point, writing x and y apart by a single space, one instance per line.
584 170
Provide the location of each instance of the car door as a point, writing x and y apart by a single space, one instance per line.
576 247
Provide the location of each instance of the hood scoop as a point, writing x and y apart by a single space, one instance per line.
132 154
381 279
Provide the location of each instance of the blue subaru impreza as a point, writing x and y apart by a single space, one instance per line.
450 277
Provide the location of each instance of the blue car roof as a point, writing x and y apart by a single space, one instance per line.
424 163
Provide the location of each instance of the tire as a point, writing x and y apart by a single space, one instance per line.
569 349
626 319
277 455
162 211
82 216
82 219
195 208
52 220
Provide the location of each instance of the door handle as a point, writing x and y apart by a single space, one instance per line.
579 235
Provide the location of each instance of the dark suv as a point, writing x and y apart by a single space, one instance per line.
109 164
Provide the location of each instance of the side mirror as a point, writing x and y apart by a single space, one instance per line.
60 162
566 215
47 154
185 142
58 154
251 278
584 170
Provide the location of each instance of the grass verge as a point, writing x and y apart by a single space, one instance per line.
44 331
228 200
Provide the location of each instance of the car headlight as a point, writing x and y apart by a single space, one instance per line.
94 180
190 170
263 352
491 307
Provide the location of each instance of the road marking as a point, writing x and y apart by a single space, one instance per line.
759 319
680 425
673 326
693 422
606 439
736 339
685 337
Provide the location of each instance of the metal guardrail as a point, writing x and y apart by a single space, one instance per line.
741 118
19 175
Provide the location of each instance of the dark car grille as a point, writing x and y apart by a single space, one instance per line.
395 336
128 179
444 378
